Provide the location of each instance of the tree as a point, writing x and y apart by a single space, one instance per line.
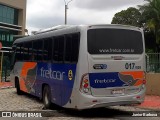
131 16
151 14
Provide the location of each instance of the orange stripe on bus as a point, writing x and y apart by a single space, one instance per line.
139 82
26 66
135 74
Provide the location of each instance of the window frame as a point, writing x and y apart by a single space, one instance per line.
53 39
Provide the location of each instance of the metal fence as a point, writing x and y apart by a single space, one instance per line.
4 66
153 62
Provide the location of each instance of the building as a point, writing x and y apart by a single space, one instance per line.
12 20
12 23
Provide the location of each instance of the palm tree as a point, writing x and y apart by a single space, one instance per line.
151 17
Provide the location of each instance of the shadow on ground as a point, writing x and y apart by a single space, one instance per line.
98 112
56 111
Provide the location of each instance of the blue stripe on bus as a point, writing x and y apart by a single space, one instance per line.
60 77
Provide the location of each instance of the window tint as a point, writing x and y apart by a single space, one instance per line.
6 37
37 50
72 47
27 51
13 55
47 52
58 49
19 53
75 45
114 41
69 48
63 48
8 14
55 49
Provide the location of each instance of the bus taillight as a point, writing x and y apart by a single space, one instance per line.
144 81
85 87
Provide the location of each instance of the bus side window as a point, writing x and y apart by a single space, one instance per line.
75 46
68 48
58 49
55 49
34 52
30 50
72 47
47 51
61 49
19 53
27 51
13 56
37 50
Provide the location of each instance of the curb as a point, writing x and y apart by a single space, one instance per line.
5 87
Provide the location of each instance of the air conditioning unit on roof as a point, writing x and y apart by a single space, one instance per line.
50 29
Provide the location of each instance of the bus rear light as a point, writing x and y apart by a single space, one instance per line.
94 101
143 84
138 97
85 87
144 81
86 81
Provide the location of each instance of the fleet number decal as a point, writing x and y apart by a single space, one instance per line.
131 66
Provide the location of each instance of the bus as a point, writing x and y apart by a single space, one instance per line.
82 66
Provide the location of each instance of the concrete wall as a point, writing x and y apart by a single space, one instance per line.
21 5
153 83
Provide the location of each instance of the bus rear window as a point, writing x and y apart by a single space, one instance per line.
114 41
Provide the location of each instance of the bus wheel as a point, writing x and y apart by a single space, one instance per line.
46 97
19 92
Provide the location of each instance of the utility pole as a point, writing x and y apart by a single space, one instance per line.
66 7
66 14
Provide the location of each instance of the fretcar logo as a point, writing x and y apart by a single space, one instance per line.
105 81
70 75
58 75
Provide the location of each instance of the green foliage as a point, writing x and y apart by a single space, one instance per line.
131 16
151 17
147 17
149 50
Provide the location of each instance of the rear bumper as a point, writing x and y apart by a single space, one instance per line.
89 101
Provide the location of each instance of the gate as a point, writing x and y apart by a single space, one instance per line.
5 62
153 62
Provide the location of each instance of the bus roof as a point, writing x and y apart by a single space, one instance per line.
66 29
48 33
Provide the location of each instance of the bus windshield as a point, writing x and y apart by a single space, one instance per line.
114 41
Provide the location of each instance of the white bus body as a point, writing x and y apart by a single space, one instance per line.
110 69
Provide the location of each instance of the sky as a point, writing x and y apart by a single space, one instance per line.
43 14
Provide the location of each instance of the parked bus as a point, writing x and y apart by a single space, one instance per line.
81 67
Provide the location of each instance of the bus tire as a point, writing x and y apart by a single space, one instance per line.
19 92
47 97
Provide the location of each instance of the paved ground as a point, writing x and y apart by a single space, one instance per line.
5 85
10 101
151 102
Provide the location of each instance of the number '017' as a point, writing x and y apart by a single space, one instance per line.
130 65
